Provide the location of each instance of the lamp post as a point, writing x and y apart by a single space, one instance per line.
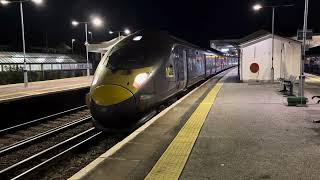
72 46
125 31
96 22
258 7
37 2
305 27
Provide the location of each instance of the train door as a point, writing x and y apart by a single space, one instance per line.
185 67
180 64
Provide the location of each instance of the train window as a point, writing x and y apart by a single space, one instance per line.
170 71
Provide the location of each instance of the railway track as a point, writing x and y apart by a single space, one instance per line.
35 140
20 144
39 120
25 152
27 166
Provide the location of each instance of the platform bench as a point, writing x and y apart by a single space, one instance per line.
316 97
287 83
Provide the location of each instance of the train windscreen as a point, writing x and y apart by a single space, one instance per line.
130 54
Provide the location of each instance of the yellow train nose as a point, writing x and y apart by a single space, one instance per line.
107 95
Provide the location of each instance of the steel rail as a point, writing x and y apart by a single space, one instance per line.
16 127
50 132
46 151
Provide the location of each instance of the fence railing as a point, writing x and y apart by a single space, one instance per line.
44 67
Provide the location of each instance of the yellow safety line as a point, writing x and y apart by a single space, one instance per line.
172 162
313 79
47 90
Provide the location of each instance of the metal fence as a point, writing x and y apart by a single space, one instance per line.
9 67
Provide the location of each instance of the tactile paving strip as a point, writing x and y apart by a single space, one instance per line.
172 162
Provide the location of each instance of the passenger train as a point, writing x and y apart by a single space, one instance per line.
142 71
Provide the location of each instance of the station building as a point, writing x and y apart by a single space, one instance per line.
255 54
256 57
40 66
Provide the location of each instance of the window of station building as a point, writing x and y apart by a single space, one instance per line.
65 67
12 67
20 67
6 67
47 67
35 67
56 66
82 66
73 66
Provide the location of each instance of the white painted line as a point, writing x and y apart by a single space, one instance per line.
83 172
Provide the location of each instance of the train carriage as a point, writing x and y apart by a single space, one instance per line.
142 71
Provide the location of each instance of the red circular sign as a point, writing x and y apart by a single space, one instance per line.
254 67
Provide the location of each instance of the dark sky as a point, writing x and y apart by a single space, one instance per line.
196 21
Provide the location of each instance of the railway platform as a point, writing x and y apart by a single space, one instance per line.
221 130
18 91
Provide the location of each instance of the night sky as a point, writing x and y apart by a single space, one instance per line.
195 21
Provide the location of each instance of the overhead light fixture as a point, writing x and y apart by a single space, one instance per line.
97 22
257 7
37 1
127 31
75 23
4 2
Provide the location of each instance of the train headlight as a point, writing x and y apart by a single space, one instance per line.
140 79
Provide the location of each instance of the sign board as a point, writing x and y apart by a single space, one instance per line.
309 34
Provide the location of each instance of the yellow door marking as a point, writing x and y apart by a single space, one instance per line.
172 162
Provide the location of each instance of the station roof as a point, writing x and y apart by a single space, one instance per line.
251 37
259 36
39 58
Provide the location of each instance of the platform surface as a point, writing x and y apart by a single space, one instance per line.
18 91
248 132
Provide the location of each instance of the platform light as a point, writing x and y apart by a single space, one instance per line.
38 2
96 21
4 2
75 23
127 31
257 7
111 32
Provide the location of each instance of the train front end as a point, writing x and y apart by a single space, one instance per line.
124 75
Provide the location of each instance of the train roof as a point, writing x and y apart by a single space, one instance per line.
179 40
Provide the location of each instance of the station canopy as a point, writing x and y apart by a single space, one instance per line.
39 58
